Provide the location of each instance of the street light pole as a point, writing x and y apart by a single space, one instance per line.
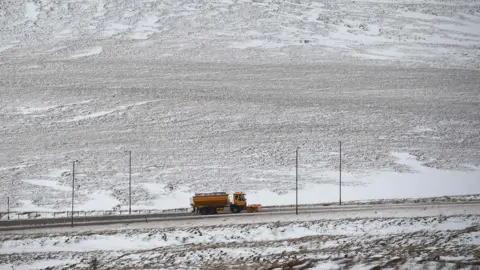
296 181
73 189
130 183
340 171
8 208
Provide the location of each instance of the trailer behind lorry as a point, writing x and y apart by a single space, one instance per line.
217 202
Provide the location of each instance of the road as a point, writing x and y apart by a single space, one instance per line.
18 225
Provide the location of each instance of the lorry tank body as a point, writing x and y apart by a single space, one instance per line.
206 199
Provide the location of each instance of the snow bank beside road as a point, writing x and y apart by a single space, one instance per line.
140 240
368 241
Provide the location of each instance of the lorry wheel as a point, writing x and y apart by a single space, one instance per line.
212 211
203 211
235 209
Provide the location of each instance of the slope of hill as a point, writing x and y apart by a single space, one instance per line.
436 33
216 95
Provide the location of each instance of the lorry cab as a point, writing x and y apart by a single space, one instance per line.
239 202
239 199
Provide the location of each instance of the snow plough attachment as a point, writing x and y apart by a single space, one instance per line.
252 208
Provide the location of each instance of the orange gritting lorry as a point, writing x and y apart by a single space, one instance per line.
216 202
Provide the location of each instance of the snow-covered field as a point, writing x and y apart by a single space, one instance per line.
442 33
216 95
437 237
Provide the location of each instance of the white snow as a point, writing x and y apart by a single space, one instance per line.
274 250
254 233
165 199
236 239
99 200
231 125
32 110
40 264
255 43
87 52
100 9
34 66
56 172
120 109
474 238
145 28
89 116
61 35
327 266
31 11
115 28
422 182
29 206
456 258
6 47
12 167
48 183
345 28
119 26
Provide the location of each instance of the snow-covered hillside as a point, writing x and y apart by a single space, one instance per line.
438 33
216 95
